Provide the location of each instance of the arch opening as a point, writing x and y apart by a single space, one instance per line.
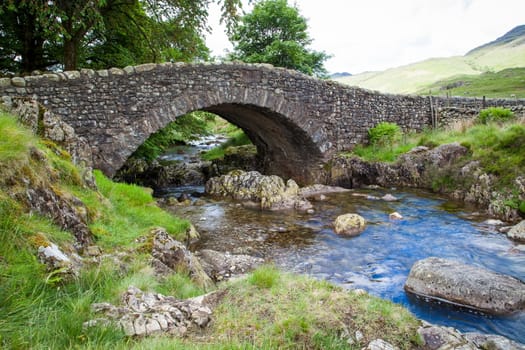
283 148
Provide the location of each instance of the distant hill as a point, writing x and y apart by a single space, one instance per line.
516 33
340 75
505 52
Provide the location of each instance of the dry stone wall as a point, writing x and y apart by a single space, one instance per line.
295 121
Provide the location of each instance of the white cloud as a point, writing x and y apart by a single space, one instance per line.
364 35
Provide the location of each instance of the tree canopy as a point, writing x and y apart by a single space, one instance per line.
276 33
71 34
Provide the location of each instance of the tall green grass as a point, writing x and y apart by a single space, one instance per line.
125 212
14 141
39 309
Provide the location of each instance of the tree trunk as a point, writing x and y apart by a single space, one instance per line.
32 43
70 54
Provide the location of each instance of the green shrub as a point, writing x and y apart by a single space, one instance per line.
495 114
384 134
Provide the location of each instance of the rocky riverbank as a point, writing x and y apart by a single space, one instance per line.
444 169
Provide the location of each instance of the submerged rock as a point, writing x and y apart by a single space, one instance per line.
389 198
395 216
318 190
349 224
517 232
466 285
269 192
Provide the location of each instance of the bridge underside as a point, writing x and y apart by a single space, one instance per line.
284 148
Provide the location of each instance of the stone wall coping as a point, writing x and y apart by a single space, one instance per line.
40 78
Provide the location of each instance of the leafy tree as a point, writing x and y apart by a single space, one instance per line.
22 41
276 33
80 33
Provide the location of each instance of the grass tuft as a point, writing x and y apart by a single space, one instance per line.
265 277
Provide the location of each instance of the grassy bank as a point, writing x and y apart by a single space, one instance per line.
495 144
498 147
41 310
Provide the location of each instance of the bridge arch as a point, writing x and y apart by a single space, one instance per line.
278 127
284 148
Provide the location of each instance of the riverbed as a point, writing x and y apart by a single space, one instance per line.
379 259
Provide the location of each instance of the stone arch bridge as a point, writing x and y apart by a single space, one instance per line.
297 122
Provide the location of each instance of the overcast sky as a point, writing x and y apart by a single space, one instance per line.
367 35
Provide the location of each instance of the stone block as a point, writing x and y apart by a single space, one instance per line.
18 82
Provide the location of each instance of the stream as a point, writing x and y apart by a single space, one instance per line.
379 259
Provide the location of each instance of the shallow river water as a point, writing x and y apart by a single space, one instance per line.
379 259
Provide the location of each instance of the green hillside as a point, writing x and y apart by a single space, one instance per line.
505 52
507 83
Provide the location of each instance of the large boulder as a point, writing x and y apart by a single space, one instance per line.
517 232
466 285
269 192
349 224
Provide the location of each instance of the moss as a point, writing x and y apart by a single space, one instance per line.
55 148
39 239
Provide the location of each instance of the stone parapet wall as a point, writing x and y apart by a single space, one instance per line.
449 111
